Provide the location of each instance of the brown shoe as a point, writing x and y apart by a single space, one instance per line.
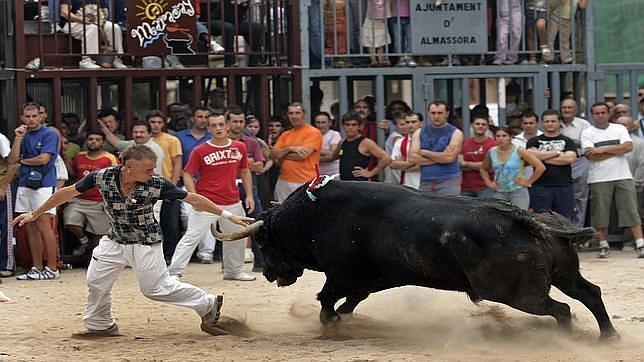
209 321
113 331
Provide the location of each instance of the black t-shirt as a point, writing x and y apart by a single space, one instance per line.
555 175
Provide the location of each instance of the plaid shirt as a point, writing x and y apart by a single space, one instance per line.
131 218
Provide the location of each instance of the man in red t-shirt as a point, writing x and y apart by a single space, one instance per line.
472 155
218 162
84 215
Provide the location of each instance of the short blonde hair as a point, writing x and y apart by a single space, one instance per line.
138 153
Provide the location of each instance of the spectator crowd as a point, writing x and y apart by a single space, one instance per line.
589 171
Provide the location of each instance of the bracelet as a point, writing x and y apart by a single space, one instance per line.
18 138
226 214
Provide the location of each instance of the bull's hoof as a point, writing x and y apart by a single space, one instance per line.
329 317
345 317
609 336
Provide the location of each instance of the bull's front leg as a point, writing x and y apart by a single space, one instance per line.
328 296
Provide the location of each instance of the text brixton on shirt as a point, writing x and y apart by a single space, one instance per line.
161 27
453 27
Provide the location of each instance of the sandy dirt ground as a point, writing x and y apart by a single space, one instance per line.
270 323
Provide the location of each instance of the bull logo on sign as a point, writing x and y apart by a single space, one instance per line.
172 23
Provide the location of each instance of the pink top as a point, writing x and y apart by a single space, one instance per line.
399 8
379 9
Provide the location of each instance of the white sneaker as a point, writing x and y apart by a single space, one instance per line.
31 274
243 277
88 63
47 273
603 253
640 252
118 64
216 47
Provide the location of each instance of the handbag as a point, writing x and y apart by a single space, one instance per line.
34 179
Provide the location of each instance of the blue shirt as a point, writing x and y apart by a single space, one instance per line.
437 140
35 143
189 142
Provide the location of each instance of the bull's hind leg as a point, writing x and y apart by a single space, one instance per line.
591 296
351 303
545 305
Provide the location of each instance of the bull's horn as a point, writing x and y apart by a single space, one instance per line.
247 231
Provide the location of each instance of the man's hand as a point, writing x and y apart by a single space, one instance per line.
240 220
493 185
300 150
384 124
21 131
23 219
102 125
250 204
361 172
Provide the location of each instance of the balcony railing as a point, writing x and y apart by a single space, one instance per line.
229 33
376 32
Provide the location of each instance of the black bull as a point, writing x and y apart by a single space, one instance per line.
367 237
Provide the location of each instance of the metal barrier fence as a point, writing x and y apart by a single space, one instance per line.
627 80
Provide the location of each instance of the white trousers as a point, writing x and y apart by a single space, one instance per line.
207 242
110 258
284 188
88 35
199 223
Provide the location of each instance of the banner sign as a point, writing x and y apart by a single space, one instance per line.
448 27
161 27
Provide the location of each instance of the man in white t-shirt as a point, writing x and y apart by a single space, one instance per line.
218 162
330 140
610 177
409 171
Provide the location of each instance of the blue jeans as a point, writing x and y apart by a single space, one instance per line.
401 33
170 224
520 198
451 186
560 199
257 252
487 192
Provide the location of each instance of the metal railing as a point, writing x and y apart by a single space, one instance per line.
42 33
346 33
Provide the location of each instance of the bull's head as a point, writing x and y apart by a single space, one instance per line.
278 266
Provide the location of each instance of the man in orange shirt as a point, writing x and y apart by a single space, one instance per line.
298 151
